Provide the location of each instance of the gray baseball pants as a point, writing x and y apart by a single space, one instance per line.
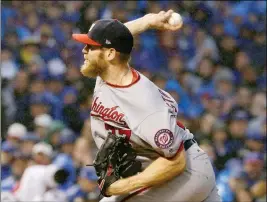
195 184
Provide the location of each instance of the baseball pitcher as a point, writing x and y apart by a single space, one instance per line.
144 153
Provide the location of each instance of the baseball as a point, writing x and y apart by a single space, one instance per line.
175 20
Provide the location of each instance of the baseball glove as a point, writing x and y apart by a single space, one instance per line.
115 159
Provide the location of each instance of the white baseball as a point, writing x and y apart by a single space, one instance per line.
175 19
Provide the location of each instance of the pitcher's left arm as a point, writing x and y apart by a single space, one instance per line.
165 138
158 172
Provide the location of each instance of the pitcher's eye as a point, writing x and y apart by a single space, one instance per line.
94 47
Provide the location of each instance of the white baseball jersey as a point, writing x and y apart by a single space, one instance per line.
142 112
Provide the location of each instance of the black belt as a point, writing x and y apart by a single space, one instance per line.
189 143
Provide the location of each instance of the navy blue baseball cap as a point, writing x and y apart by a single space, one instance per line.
108 33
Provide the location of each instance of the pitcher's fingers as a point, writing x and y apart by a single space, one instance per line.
162 12
161 15
168 14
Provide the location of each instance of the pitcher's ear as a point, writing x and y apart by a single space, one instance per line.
110 54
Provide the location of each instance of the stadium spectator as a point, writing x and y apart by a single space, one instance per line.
16 133
28 142
41 125
18 166
7 155
42 153
86 189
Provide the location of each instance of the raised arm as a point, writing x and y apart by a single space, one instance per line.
157 21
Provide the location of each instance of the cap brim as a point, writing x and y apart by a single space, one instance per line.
83 38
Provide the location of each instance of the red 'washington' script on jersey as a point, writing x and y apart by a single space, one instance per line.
107 114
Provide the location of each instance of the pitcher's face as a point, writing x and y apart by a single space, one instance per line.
94 61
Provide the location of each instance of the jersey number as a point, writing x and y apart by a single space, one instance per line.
118 131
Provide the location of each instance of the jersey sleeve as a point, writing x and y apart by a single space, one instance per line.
160 130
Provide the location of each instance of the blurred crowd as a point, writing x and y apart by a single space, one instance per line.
215 68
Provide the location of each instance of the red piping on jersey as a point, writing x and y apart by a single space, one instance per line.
134 194
136 78
180 124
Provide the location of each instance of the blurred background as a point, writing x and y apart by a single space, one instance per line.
214 66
